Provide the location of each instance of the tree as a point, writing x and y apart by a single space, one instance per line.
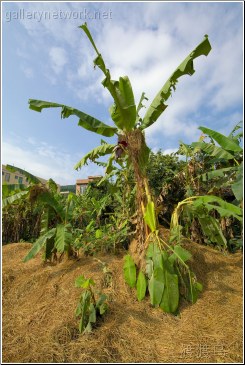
213 181
161 170
56 231
129 126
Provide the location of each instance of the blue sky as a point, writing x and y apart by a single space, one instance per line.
46 56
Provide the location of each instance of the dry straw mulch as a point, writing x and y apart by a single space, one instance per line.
39 303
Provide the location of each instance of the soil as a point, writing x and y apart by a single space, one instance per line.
39 301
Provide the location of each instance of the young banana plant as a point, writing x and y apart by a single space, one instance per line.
129 127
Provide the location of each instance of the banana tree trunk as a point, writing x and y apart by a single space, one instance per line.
136 144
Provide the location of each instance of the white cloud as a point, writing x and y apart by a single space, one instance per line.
58 59
42 23
226 73
46 161
28 71
147 41
148 47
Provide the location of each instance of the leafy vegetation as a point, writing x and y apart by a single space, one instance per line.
139 191
129 125
88 308
215 173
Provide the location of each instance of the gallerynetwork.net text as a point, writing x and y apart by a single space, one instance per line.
84 14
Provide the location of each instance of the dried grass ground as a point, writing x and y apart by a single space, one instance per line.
39 303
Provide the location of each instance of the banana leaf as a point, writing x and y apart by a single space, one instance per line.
224 208
180 253
49 200
225 142
141 286
158 105
170 299
192 286
149 216
44 221
218 173
14 198
84 309
63 238
213 150
238 136
237 186
104 149
123 111
156 286
85 120
212 230
9 189
129 270
39 243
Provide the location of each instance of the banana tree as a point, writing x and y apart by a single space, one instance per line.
60 238
129 128
51 209
225 159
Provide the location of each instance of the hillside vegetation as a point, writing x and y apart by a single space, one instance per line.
39 324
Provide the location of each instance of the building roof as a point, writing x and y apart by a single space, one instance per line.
88 180
83 181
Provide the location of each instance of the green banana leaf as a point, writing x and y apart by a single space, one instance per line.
49 200
238 136
218 173
92 313
193 288
156 286
226 143
14 198
63 238
185 68
148 268
170 299
224 208
158 256
180 253
44 221
8 189
85 303
48 249
212 230
237 186
141 286
129 270
53 187
104 149
85 120
123 111
213 150
149 216
39 243
101 305
82 282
